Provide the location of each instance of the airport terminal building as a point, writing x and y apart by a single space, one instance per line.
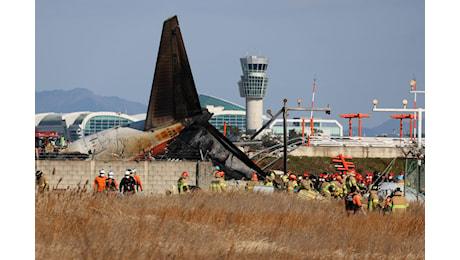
78 124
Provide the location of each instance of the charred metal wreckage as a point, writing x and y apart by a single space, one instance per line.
174 115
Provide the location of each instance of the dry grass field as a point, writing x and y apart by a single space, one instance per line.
236 225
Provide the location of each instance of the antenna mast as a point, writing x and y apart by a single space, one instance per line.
311 114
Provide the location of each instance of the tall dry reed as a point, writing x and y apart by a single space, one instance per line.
236 225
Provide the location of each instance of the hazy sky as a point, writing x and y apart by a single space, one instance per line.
359 50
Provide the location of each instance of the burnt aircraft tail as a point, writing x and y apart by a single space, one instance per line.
174 99
173 96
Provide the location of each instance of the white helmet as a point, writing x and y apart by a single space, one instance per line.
134 170
110 174
101 172
127 172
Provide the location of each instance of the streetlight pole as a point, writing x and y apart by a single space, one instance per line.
285 136
419 111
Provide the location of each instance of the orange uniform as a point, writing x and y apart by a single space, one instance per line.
99 183
138 183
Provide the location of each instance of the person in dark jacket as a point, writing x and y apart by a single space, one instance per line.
128 184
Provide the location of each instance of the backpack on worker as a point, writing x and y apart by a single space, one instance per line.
129 184
110 185
349 205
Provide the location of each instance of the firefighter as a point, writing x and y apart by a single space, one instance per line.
360 182
111 186
217 170
368 180
285 179
269 180
336 187
182 184
218 183
128 184
373 200
398 202
42 182
223 184
253 182
339 177
350 181
292 185
387 206
138 180
390 177
99 182
305 184
326 187
353 202
49 147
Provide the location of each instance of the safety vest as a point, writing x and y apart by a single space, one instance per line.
372 200
111 186
215 185
398 202
182 185
250 184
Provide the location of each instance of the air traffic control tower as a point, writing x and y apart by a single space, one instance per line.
253 86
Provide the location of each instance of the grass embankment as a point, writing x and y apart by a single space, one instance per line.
236 225
318 165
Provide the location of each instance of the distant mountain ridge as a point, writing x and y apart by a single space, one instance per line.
82 99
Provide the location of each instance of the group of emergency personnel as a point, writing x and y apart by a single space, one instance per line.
130 184
349 186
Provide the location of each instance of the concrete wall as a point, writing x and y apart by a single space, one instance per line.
157 177
351 151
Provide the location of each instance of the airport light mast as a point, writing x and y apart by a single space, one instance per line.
418 152
419 111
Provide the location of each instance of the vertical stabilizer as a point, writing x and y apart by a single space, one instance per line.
173 96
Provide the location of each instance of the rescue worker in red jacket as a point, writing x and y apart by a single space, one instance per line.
111 186
99 182
138 180
353 202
